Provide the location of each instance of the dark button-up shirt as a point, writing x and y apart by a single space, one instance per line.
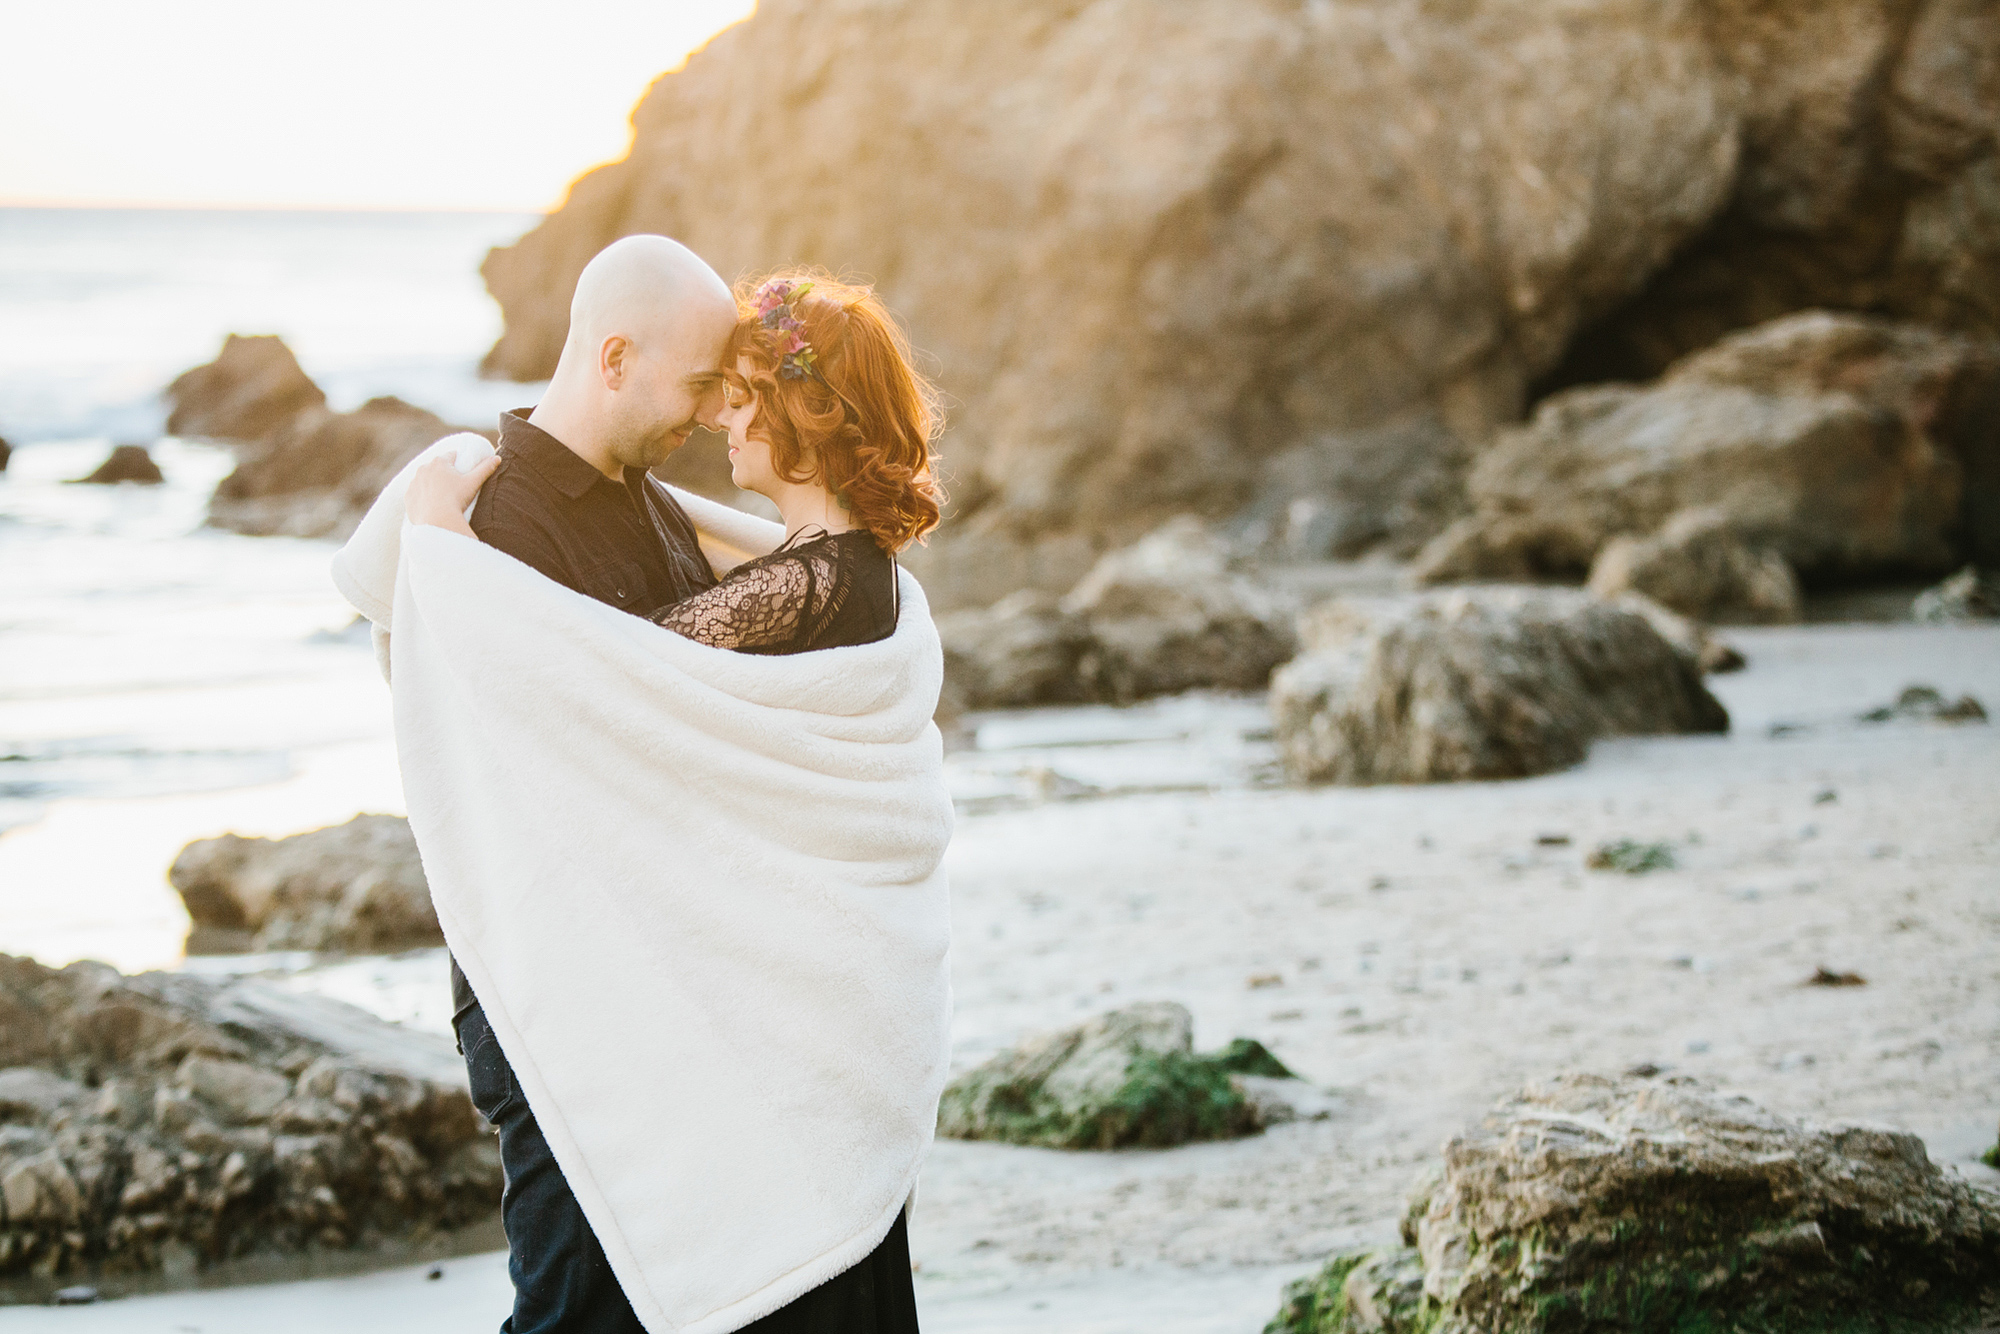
628 545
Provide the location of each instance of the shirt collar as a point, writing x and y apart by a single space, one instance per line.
558 465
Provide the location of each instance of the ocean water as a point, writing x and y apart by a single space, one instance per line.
100 308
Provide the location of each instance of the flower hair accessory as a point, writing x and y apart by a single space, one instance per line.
775 300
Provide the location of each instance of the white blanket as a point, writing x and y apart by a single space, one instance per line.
698 894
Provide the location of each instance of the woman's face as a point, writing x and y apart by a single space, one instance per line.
749 456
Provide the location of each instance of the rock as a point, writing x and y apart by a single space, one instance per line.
1867 183
1690 638
1697 565
1024 649
1660 1205
251 391
316 476
1384 491
1969 595
1475 684
1401 212
1927 704
31 1094
126 463
1842 444
6 453
1172 612
303 470
1129 1077
163 1125
355 887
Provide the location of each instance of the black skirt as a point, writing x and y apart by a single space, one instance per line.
877 1296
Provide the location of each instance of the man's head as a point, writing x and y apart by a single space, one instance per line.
642 364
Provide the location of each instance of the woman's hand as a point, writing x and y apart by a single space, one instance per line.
439 492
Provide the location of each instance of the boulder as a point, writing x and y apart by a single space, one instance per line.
126 463
1842 444
1126 1078
252 390
1171 265
6 452
1969 595
1024 649
303 470
1652 1206
1174 611
1476 683
1697 565
316 476
165 1127
356 887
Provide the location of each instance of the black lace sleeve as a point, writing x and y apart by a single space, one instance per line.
763 607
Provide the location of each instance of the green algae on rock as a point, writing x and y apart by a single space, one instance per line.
1127 1078
1633 858
1660 1207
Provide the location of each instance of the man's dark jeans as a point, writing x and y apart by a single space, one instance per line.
562 1282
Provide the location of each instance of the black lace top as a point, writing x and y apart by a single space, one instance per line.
818 590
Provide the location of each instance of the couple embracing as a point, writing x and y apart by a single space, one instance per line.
681 803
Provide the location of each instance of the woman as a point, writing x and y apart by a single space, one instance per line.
828 419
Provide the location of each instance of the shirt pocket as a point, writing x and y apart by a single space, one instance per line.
621 583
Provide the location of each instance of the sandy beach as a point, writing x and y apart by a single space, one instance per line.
1418 952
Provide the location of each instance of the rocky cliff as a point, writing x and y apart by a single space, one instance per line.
1221 256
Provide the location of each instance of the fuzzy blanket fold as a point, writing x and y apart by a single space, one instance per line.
700 898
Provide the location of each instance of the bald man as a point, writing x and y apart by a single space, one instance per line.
640 369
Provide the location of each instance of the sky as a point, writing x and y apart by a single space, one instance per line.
365 104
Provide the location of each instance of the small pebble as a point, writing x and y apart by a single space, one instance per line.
1258 981
1552 840
1826 798
436 1273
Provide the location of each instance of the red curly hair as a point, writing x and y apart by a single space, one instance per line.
863 423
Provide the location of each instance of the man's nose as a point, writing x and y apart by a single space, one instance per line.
709 411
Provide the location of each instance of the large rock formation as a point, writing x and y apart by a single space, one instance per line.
1129 1077
1653 1206
304 470
1846 445
155 1127
355 887
1183 260
1477 683
1174 611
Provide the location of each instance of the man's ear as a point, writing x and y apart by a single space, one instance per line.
614 358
